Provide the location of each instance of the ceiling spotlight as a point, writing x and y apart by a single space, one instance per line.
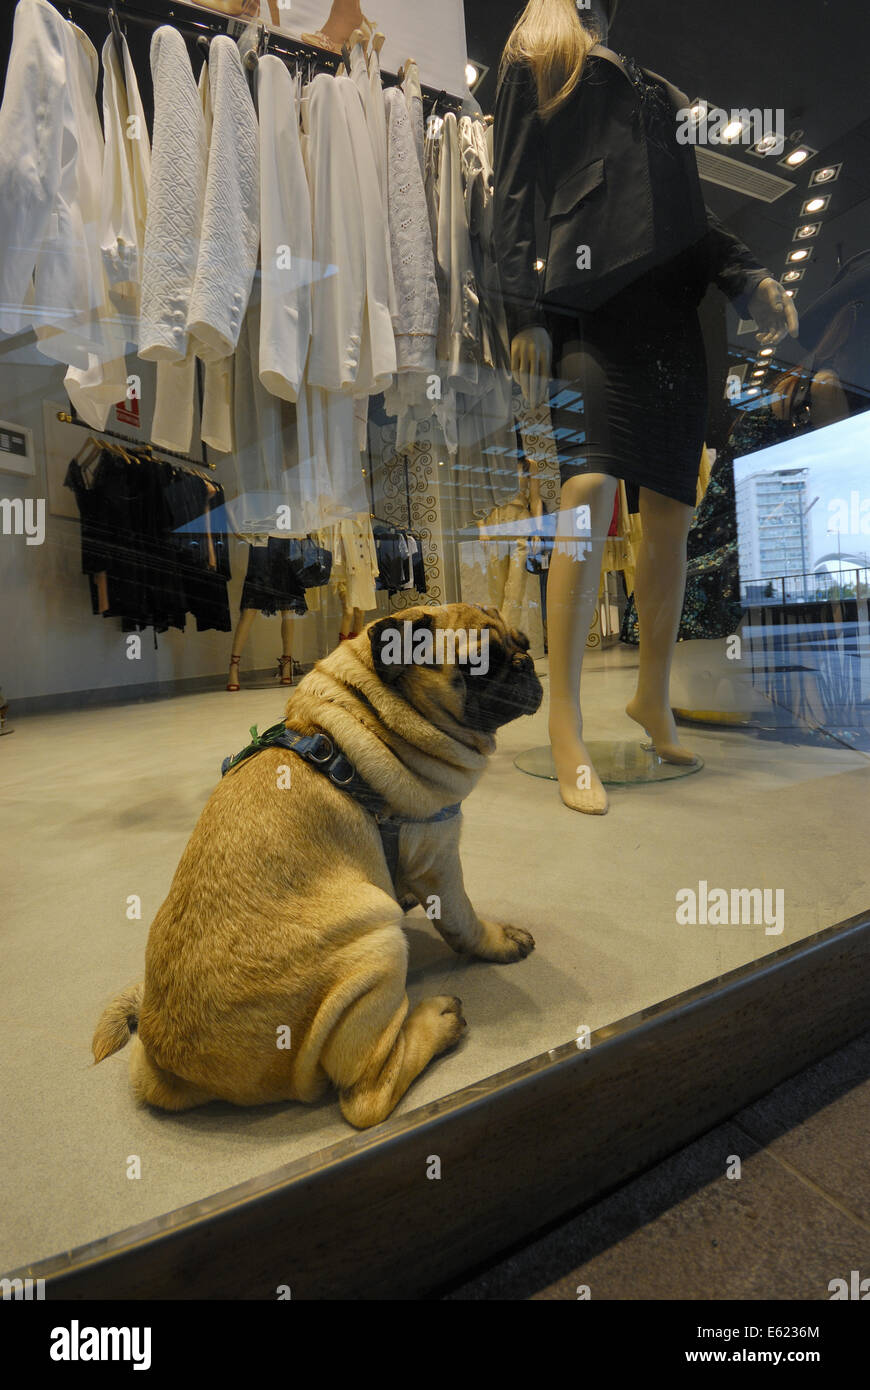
762 372
768 144
791 293
792 275
753 391
732 132
809 229
700 110
829 174
798 255
815 205
766 352
474 74
539 264
797 157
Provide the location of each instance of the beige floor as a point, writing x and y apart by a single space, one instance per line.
98 804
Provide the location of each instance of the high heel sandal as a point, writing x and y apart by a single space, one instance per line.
234 661
282 670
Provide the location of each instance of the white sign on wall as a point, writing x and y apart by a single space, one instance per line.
433 33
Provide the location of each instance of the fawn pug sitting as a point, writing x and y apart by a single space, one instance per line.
283 924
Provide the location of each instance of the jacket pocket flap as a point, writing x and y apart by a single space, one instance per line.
575 188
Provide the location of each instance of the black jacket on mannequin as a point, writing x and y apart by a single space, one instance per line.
592 165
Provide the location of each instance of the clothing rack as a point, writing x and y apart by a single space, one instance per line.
203 26
71 418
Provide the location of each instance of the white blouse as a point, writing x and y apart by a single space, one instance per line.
51 159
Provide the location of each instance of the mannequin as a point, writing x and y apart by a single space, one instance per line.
352 619
271 585
610 328
243 632
345 18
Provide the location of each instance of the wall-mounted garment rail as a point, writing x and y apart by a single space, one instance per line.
72 419
195 23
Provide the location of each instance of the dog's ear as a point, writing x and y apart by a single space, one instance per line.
397 645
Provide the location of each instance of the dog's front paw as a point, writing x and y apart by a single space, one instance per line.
505 944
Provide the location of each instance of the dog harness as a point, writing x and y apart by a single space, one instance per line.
321 753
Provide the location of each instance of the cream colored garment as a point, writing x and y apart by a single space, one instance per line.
378 349
51 159
366 77
418 304
338 291
174 409
172 420
124 200
506 550
285 219
355 562
175 199
230 235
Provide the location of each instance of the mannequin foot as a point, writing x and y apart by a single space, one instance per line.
658 721
580 787
233 683
285 670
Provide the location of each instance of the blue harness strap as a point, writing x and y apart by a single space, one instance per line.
321 753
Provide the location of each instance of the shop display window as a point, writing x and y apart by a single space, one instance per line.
400 435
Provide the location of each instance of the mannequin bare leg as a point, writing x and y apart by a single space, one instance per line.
243 632
660 588
285 660
572 594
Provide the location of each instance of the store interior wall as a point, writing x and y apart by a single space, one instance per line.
50 641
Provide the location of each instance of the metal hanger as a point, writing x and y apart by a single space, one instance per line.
118 37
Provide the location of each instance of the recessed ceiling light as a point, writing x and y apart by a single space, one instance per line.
809 229
797 157
791 293
471 74
798 255
753 391
732 132
768 144
829 174
815 205
762 372
766 352
792 275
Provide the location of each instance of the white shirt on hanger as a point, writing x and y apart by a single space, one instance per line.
51 160
286 236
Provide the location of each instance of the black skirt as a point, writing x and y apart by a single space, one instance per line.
272 581
629 395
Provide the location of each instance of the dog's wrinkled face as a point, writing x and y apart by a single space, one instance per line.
457 664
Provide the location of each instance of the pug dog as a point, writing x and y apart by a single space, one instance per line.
277 965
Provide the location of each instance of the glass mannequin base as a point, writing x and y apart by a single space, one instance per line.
617 764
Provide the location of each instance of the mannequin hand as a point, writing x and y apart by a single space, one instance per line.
531 358
773 312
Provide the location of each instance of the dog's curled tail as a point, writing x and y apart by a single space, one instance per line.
117 1022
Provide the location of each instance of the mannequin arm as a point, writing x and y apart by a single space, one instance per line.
531 361
516 166
731 265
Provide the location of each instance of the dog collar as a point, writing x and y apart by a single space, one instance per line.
321 753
